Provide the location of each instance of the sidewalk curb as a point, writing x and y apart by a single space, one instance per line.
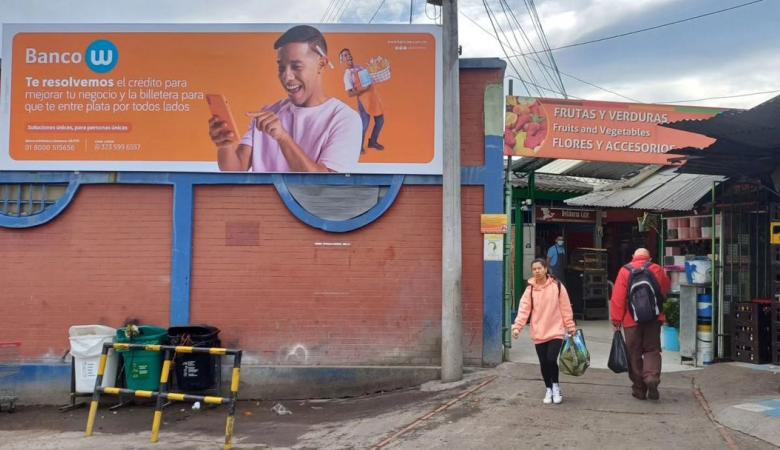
725 432
441 408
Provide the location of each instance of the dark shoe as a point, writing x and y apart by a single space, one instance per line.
652 392
652 389
639 393
376 145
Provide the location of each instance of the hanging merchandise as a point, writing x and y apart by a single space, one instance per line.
699 270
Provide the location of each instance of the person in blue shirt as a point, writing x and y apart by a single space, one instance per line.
556 259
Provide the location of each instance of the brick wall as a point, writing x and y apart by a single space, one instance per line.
272 284
104 260
472 117
279 291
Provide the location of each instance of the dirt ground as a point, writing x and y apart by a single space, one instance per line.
257 425
495 408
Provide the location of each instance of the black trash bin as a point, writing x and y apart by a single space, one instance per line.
195 372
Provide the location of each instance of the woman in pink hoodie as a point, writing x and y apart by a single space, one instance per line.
546 302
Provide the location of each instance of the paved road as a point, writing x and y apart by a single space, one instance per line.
493 409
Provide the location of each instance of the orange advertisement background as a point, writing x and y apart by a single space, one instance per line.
242 67
544 113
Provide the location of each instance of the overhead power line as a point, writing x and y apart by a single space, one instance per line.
722 97
382 3
486 31
510 16
576 44
514 77
346 7
543 37
522 62
328 10
601 88
525 81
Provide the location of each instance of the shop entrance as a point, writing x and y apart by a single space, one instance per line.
575 235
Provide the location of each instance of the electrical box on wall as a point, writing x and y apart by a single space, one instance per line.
774 232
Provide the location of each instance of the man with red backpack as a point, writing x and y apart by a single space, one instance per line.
637 302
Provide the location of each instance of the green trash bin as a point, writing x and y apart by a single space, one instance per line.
142 368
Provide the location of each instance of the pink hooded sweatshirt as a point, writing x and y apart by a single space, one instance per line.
551 314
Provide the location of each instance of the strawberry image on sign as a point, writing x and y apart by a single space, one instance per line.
525 126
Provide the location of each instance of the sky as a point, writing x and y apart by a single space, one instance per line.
732 53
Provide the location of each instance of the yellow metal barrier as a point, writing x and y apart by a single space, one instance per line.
162 394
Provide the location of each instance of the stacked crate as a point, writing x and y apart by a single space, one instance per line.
592 265
775 332
774 274
751 336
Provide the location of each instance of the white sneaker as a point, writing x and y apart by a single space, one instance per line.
548 397
557 396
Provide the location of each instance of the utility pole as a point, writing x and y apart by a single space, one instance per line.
452 259
508 266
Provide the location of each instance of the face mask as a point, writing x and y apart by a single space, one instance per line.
559 243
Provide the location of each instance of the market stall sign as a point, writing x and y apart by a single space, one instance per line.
493 223
544 214
599 131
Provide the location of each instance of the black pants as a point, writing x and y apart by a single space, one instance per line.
548 360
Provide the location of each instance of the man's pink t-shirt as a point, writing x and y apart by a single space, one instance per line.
330 134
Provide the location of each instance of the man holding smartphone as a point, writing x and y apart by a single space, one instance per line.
305 132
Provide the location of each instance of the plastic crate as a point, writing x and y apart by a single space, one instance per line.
774 252
748 337
756 313
9 367
594 292
751 353
595 277
776 354
774 212
596 313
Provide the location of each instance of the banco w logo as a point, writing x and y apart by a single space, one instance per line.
102 56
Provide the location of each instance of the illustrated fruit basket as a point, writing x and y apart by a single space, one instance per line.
379 68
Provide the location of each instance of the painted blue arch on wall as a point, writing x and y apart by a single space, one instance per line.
45 216
74 180
340 226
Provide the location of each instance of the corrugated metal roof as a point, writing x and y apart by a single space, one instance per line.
577 168
560 166
730 159
526 164
559 183
757 127
748 142
599 169
663 191
679 194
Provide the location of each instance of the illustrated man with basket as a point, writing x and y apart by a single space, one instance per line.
361 82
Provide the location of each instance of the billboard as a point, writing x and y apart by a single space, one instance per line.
208 98
598 131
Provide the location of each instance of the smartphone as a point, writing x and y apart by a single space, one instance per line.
218 106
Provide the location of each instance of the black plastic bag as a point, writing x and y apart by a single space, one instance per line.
618 355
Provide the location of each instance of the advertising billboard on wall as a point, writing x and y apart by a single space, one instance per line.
209 98
598 131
